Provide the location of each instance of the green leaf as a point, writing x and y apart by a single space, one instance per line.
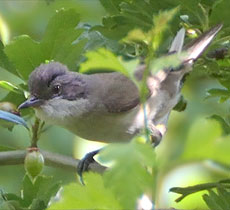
4 61
10 87
128 171
225 126
125 16
224 196
10 205
206 134
215 92
102 60
39 192
166 62
25 54
181 105
211 203
58 42
111 6
161 23
11 196
93 195
216 199
220 13
7 116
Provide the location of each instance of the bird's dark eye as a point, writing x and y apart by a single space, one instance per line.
56 89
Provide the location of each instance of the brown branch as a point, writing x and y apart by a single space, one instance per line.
51 159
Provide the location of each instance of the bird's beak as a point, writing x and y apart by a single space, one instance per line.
31 102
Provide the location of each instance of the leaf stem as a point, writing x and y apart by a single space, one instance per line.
36 131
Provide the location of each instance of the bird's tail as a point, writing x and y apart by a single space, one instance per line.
195 48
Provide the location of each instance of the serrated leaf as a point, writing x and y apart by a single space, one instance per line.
127 15
25 54
217 200
93 195
58 42
166 62
224 196
161 23
111 6
211 203
10 87
132 159
7 116
39 192
102 60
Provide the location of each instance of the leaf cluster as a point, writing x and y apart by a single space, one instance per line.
34 195
130 175
218 196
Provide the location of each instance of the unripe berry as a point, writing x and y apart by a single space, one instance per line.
34 163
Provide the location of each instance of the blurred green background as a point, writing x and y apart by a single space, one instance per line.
192 140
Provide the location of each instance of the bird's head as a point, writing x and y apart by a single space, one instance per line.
53 81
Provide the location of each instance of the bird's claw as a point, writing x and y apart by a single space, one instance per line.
84 163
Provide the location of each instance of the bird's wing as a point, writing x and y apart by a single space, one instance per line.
115 91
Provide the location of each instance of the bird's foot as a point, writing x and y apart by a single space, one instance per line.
84 163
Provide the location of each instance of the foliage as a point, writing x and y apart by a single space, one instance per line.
133 30
214 200
34 195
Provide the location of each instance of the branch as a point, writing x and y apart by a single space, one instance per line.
51 159
185 191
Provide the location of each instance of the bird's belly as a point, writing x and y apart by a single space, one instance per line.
105 127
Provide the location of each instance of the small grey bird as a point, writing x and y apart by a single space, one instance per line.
105 106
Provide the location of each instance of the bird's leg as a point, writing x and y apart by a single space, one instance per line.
84 163
156 133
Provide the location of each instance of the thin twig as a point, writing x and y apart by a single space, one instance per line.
35 132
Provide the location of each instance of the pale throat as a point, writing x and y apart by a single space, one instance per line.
61 111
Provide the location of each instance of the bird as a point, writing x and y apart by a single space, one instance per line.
106 107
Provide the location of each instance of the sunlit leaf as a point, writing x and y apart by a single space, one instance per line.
93 195
128 171
166 62
10 87
102 60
